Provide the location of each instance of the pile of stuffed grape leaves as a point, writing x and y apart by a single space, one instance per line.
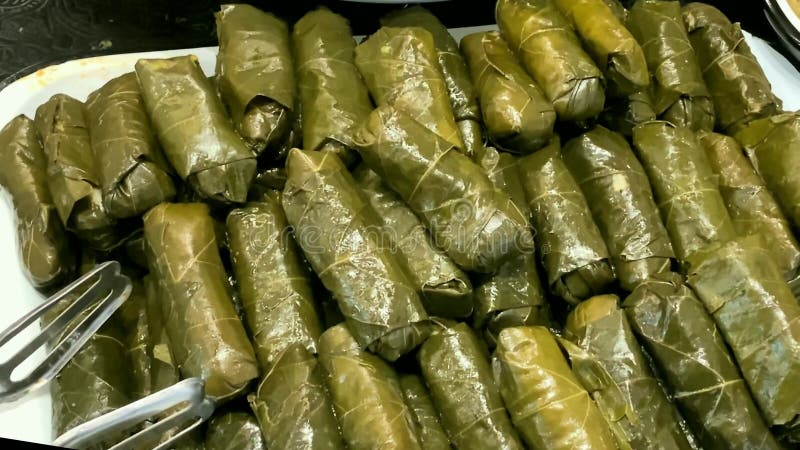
574 229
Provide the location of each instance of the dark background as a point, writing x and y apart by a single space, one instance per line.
37 33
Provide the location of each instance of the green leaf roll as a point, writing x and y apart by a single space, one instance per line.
333 96
679 92
611 366
693 360
401 69
754 308
292 403
366 395
752 207
163 369
134 174
194 130
551 52
72 175
234 430
455 366
255 74
44 247
418 399
611 45
445 290
208 339
136 337
335 226
517 115
568 241
623 114
272 278
449 192
618 193
770 144
738 85
548 405
684 185
454 69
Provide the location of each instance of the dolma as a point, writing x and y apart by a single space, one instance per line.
133 171
623 114
273 281
611 45
208 339
569 243
234 430
547 403
456 369
758 316
551 52
449 192
517 115
366 395
680 95
194 129
770 144
444 289
456 75
426 418
335 227
44 246
163 369
737 83
255 74
618 193
693 360
401 69
684 185
333 95
608 361
135 331
751 206
292 403
72 175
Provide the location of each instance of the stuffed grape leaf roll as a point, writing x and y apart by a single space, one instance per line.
455 366
208 339
694 361
366 395
738 85
273 281
445 290
547 403
401 69
72 175
418 399
684 185
752 207
551 52
608 361
292 404
611 45
255 74
679 91
569 243
133 171
163 368
623 114
44 246
333 96
335 226
135 329
234 430
454 69
517 115
194 130
754 308
770 144
618 194
448 191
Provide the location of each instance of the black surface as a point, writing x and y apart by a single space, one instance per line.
37 33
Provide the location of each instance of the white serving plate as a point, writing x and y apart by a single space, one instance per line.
29 419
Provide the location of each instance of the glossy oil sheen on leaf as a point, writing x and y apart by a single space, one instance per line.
623 114
234 430
418 399
337 230
136 337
